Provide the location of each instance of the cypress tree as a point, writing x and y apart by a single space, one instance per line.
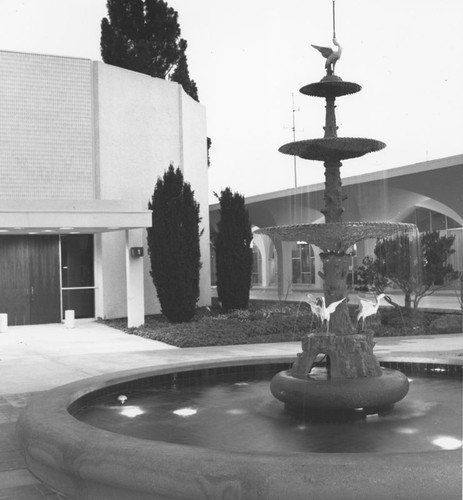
173 246
181 73
144 36
233 251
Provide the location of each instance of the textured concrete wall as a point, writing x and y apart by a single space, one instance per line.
46 127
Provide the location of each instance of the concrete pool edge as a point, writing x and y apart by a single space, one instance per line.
89 463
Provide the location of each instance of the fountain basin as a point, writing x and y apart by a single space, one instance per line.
365 393
336 236
89 463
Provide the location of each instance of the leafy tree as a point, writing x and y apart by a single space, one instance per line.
173 246
233 251
398 263
144 36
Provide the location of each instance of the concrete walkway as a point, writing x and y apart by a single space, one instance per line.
38 358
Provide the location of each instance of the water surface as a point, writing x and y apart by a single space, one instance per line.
241 414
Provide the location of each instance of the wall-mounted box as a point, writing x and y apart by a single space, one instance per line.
136 252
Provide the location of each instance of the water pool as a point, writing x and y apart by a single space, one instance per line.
239 414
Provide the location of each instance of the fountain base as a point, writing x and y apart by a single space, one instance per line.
348 356
372 394
353 378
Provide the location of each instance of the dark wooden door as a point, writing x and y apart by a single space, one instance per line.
29 279
15 279
44 280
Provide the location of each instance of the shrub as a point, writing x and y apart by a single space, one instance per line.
398 262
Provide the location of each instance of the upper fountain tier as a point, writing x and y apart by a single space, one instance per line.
331 148
329 87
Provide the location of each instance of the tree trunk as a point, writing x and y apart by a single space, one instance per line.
408 302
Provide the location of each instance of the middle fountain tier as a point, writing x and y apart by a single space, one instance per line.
353 379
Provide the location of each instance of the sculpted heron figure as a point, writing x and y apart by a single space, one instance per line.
320 309
315 306
368 308
331 55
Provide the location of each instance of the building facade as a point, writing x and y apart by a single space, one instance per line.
428 194
81 147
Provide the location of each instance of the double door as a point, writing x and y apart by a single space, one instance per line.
30 279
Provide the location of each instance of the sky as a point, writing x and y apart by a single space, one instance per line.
249 59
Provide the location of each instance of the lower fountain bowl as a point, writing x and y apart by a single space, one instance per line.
367 393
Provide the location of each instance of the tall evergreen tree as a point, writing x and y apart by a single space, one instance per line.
182 75
144 36
233 251
173 246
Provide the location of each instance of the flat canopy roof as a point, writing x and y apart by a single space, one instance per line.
70 216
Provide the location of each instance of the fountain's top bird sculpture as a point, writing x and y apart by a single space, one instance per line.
331 55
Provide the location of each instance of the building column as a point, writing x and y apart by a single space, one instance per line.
134 275
98 275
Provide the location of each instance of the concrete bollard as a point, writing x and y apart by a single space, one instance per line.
3 323
69 318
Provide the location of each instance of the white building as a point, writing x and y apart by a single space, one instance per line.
81 147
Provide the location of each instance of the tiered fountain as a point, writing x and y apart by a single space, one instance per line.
354 379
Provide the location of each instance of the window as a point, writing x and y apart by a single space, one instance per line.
303 264
77 276
256 277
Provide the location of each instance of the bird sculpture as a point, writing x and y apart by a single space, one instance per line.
315 305
331 56
368 308
320 310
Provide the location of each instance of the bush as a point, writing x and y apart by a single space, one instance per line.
266 323
448 323
418 270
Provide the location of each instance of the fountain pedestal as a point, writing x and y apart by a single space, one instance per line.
334 275
348 356
353 379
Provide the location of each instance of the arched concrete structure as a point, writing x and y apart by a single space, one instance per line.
389 195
